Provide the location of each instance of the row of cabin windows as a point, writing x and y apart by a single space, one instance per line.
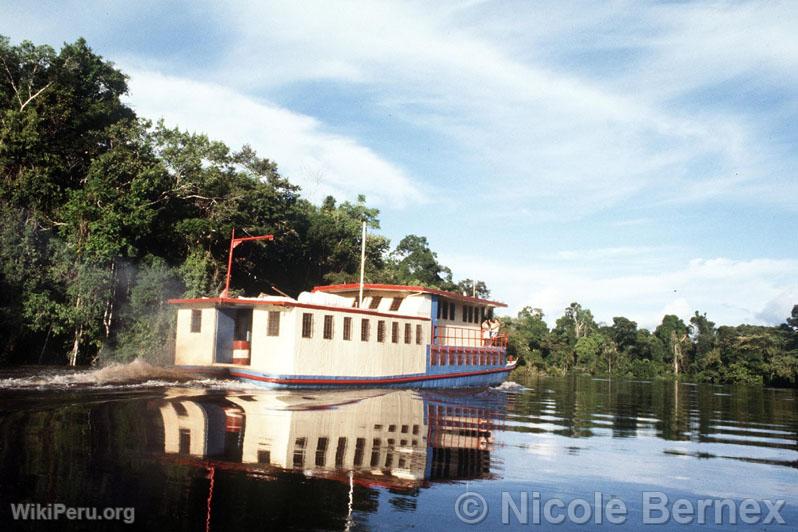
465 359
376 300
468 313
323 444
273 327
365 329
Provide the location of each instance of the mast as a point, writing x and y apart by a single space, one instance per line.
234 242
362 264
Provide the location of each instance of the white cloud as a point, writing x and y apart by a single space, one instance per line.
729 291
491 82
780 307
321 162
603 253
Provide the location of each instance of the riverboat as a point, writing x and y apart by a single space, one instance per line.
345 335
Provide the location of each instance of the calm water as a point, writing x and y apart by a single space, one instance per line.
212 455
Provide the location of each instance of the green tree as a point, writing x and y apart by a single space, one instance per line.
674 335
466 286
414 263
576 322
624 334
589 351
703 335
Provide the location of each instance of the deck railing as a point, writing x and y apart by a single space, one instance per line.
446 335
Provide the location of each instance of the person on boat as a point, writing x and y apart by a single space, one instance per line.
485 331
493 327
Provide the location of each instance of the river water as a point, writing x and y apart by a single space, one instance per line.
182 454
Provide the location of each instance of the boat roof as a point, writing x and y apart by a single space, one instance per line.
376 287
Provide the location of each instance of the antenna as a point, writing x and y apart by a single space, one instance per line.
362 264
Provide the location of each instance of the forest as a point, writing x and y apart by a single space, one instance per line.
104 215
694 351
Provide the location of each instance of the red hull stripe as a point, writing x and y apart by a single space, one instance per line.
386 380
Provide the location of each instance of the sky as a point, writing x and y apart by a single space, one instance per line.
636 157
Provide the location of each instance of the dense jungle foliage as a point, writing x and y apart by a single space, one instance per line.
104 215
697 350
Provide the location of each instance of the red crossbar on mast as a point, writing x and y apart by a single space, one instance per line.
233 243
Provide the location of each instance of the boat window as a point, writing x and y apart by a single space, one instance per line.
375 452
196 320
442 357
395 332
299 452
347 328
328 327
451 310
445 310
419 334
433 360
375 302
407 333
273 328
389 454
470 314
264 457
381 331
321 452
490 313
397 301
481 314
180 409
307 325
360 447
364 330
340 452
438 314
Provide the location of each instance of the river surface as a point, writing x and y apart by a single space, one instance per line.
181 454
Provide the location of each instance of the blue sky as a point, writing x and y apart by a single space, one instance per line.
639 158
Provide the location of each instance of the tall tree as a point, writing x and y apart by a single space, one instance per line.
674 334
413 262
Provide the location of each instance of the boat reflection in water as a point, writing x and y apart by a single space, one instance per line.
400 440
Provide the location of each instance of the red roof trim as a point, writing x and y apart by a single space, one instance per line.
237 301
406 288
